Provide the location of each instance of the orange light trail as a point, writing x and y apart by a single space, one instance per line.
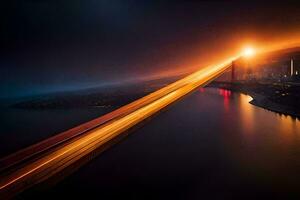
127 116
93 139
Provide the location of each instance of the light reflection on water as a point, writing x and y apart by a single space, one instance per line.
246 112
264 144
212 144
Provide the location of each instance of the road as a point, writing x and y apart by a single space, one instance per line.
50 163
45 145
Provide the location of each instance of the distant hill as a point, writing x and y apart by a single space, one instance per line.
112 96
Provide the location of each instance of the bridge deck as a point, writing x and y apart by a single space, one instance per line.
28 171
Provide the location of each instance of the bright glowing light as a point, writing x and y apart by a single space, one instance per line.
248 52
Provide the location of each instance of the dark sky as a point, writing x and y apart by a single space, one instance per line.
49 45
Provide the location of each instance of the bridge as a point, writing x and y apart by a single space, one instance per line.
51 157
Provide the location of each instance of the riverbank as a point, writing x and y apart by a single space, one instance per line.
277 98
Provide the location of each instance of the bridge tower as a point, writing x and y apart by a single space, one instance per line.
292 67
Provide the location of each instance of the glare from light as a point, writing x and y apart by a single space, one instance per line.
248 52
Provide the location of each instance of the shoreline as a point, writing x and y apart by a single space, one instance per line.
258 100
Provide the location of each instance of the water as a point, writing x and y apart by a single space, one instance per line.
20 128
212 144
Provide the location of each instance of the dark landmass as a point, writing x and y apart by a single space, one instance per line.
280 97
94 97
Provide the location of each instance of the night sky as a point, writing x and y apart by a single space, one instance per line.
65 45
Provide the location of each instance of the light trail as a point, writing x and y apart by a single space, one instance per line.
100 131
48 165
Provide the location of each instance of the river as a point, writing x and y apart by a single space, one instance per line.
211 144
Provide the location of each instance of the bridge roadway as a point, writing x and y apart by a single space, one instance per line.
26 170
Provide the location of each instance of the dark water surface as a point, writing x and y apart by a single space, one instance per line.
20 128
212 144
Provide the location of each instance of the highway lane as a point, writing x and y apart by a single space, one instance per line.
76 131
38 148
45 167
